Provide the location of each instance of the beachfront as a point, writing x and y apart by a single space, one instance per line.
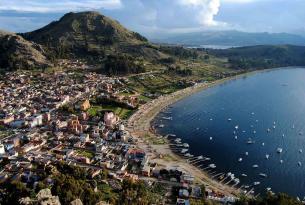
139 125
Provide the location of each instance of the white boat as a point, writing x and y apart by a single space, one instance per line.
255 166
256 183
299 164
267 156
229 119
240 159
268 189
263 175
235 137
246 153
211 138
292 126
161 126
186 145
188 155
250 141
268 130
236 127
273 126
281 161
252 113
244 175
172 135
254 132
167 118
178 140
183 151
300 150
213 166
211 119
279 150
263 144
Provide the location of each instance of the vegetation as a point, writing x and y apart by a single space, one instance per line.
270 199
262 57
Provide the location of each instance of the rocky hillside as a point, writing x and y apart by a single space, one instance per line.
90 33
18 53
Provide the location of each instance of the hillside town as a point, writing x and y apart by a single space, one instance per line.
50 118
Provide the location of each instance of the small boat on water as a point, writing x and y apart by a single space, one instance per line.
167 118
299 164
171 135
161 126
240 159
273 126
300 150
211 138
252 113
213 166
178 140
263 144
293 126
255 166
188 155
279 150
268 130
244 175
229 119
236 127
268 189
246 153
250 141
186 145
254 132
235 137
256 183
183 151
263 175
267 156
281 161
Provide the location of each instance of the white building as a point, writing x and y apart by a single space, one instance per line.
2 150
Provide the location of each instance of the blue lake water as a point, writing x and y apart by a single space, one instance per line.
254 103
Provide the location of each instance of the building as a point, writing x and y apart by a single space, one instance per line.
2 150
110 119
85 105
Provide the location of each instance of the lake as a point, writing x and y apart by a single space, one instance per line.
246 122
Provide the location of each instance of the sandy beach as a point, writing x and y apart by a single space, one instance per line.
139 125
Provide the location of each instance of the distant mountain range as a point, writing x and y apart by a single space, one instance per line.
233 38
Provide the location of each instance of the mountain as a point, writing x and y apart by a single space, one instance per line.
18 53
261 57
234 38
91 33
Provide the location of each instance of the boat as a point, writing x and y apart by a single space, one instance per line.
293 126
211 119
188 155
299 164
263 144
171 135
273 126
183 151
178 140
213 166
256 183
167 118
252 113
268 189
236 127
281 161
211 138
246 153
254 132
235 137
300 150
240 159
279 150
263 175
229 119
161 126
250 141
244 175
255 166
268 130
267 156
186 145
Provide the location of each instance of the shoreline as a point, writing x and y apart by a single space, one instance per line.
139 126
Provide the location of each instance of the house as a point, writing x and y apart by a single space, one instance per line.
110 119
2 150
85 105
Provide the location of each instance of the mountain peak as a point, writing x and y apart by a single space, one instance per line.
84 31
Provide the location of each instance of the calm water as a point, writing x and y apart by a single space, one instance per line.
253 103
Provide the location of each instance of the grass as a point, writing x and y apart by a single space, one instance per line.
85 153
123 113
155 140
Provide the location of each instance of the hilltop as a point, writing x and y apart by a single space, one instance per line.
87 34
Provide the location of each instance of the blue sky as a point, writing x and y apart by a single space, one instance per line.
158 17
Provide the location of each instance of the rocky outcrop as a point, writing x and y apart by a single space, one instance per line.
44 197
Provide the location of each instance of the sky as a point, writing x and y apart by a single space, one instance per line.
154 18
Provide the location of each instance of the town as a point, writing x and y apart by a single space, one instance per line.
79 118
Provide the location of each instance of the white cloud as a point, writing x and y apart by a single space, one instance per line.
44 6
207 10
